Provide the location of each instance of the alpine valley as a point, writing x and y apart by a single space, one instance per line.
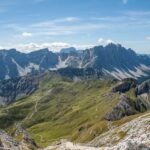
93 99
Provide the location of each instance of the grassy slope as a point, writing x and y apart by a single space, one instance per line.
64 109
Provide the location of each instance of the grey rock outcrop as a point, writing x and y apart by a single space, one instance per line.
113 59
127 107
143 88
125 85
136 136
17 88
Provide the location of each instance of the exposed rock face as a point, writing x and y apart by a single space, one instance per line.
134 135
127 107
15 64
123 146
83 73
143 88
17 88
8 142
68 50
125 85
113 60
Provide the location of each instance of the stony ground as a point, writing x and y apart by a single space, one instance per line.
134 135
9 143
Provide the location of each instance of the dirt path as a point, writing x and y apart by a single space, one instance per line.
35 109
19 127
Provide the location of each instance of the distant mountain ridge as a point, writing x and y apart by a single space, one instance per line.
112 60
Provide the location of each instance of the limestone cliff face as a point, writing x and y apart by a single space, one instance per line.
127 107
17 88
133 135
143 88
113 60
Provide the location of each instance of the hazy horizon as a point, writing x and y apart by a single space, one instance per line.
59 48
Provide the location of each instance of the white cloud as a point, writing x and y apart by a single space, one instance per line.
27 34
72 19
125 1
52 46
50 29
57 27
54 33
55 21
102 41
1 47
109 41
55 46
147 38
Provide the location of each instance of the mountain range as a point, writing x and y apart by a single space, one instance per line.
112 60
93 97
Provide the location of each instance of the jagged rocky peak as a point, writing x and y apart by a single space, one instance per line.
12 50
8 50
68 50
44 50
113 60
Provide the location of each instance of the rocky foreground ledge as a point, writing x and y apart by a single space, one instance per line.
134 135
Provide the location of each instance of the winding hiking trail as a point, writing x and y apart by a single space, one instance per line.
35 109
19 128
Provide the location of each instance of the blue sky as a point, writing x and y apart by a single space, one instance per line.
33 24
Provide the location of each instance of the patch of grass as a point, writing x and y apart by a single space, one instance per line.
122 134
90 132
125 119
19 138
64 109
